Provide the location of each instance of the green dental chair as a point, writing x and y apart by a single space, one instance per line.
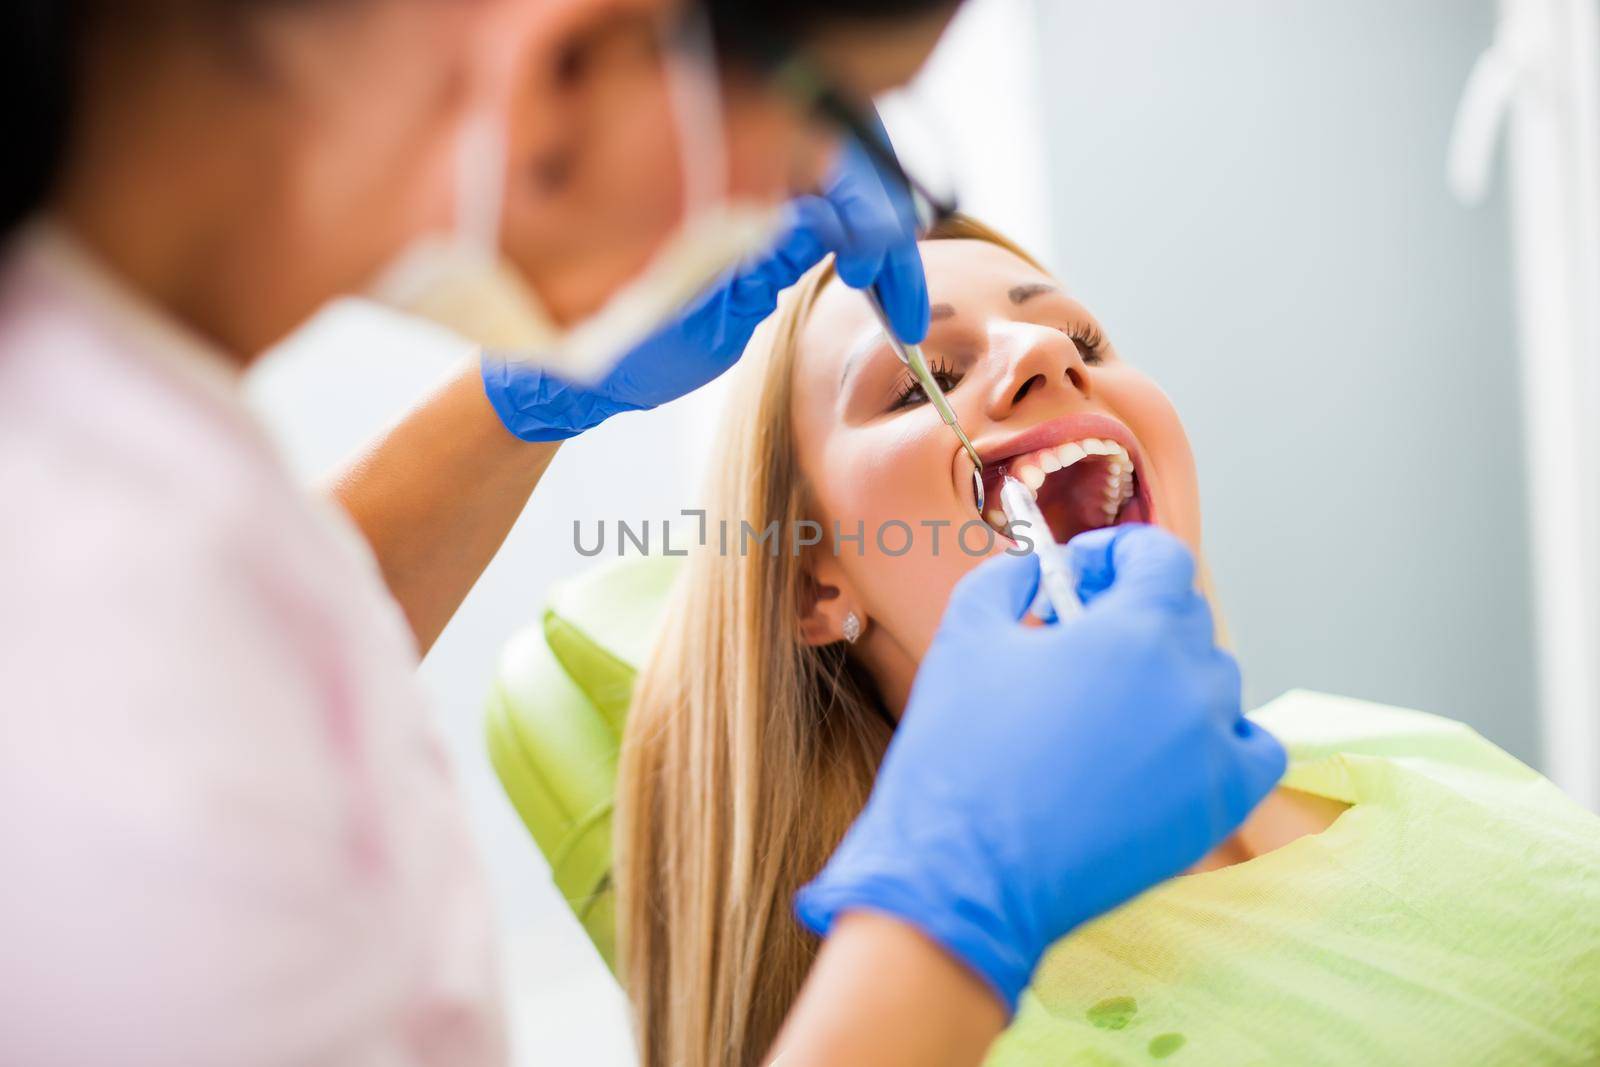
555 720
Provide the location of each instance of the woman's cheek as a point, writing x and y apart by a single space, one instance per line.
907 595
1169 458
889 474
896 525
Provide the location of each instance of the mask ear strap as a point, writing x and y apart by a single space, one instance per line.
694 88
481 161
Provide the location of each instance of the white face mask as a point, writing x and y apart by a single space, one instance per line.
462 281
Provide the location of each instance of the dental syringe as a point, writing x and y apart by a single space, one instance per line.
1055 575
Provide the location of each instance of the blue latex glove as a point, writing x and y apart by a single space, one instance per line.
1077 766
873 234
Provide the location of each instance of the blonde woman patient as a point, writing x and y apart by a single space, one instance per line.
1408 895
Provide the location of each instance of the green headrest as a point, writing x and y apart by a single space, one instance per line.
555 721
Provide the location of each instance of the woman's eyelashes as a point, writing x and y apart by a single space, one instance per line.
1085 336
1090 342
908 392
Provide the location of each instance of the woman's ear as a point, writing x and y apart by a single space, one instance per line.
826 600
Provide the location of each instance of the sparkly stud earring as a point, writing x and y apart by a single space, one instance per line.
852 627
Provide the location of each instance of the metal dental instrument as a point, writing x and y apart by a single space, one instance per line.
1055 575
911 356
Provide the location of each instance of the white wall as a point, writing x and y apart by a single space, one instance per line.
1251 195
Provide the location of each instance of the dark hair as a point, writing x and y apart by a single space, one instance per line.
36 71
763 32
42 41
41 51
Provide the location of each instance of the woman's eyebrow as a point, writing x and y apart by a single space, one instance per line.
1022 293
870 341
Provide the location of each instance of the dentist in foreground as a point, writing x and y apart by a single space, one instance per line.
228 833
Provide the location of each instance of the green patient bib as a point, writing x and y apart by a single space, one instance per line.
1450 916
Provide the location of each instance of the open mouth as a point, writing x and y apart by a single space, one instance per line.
1084 472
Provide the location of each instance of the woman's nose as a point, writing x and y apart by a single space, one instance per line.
1037 364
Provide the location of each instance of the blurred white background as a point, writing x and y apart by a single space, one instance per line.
1251 195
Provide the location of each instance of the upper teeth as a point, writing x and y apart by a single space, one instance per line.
1118 490
1031 469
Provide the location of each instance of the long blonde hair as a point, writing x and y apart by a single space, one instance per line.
748 752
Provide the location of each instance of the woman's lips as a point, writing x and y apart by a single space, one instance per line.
1060 431
1086 470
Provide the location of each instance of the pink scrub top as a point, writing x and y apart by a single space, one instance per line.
228 830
